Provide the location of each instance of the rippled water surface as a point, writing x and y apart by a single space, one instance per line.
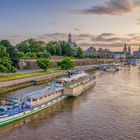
108 111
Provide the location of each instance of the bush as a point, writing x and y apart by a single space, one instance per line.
20 54
12 69
66 64
43 63
43 55
3 69
30 55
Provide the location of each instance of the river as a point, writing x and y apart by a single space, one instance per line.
108 111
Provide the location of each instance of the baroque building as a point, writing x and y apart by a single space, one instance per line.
73 44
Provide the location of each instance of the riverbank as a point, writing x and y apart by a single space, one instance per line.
10 77
13 85
14 82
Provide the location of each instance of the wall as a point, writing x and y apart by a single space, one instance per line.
31 63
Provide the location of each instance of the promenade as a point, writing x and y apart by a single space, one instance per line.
42 77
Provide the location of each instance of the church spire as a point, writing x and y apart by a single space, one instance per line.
69 38
125 48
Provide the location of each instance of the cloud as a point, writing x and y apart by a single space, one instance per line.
112 7
54 23
77 29
104 40
107 34
138 21
110 37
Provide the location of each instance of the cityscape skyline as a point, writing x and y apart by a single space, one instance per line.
101 23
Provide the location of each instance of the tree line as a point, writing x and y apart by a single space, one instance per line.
31 48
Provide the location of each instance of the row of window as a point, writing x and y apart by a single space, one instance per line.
40 98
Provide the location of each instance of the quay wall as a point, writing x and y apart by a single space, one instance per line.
31 63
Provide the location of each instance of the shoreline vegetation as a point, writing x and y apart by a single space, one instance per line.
10 77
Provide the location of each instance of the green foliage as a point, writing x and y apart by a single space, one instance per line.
5 43
2 69
12 69
26 75
20 54
66 49
43 63
5 61
54 48
30 55
44 54
80 53
31 45
3 52
66 64
11 50
60 48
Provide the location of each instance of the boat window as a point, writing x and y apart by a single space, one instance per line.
40 98
34 99
1 109
29 99
45 96
2 112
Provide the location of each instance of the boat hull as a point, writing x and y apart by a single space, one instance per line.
10 119
79 90
86 87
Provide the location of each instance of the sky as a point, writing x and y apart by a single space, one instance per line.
97 23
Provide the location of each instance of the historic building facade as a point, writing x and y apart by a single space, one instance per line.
136 54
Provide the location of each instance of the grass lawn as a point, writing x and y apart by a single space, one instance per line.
4 78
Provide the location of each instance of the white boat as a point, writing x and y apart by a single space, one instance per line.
77 84
15 109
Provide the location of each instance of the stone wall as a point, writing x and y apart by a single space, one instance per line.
31 63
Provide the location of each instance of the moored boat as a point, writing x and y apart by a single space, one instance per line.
15 109
76 84
73 85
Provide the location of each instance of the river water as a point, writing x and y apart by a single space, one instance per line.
108 111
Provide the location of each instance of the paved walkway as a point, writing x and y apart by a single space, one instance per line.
19 81
38 78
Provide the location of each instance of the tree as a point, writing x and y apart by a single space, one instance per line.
30 55
20 54
66 49
31 45
5 61
54 48
5 43
80 53
43 63
66 64
11 50
44 54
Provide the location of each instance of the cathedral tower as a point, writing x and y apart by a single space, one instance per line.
69 38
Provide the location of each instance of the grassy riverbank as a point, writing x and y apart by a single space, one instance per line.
4 78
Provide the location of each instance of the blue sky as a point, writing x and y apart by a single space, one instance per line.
37 17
